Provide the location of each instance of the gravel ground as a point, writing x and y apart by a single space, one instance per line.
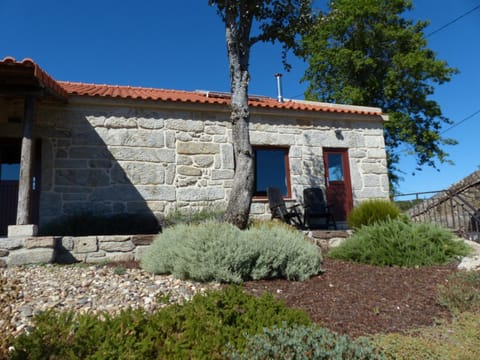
91 289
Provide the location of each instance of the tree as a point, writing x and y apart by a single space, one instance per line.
364 52
272 20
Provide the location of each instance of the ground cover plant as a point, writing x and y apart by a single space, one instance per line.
219 251
461 293
400 243
450 340
198 329
178 217
304 342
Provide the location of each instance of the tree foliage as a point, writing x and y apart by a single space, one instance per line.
365 52
271 20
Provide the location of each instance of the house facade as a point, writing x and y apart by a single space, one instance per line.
70 148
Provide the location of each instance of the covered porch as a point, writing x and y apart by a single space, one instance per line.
23 87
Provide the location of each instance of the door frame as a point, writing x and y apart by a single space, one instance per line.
346 183
35 206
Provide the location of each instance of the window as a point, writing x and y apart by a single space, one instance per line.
335 167
271 169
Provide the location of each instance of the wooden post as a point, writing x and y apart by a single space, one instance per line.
26 165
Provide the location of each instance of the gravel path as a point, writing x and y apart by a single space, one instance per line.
91 289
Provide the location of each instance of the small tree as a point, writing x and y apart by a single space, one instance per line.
275 20
364 52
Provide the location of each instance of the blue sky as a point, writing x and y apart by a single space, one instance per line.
181 45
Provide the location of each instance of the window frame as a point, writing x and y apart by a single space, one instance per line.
263 196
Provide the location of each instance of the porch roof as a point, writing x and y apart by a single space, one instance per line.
19 78
27 74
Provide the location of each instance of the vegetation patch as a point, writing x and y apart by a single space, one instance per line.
461 293
199 329
395 242
454 340
178 217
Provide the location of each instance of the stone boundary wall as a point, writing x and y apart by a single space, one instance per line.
69 249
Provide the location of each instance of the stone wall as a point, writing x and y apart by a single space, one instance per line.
122 156
68 249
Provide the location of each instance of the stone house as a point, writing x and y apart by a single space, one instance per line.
68 148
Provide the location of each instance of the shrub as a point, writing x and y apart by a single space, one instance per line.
199 329
372 211
213 251
461 293
303 342
282 252
92 224
394 242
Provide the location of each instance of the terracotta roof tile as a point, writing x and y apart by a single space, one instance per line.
206 97
65 88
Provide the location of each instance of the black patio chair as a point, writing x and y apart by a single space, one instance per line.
290 215
316 208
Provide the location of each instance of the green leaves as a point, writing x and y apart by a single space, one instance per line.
365 52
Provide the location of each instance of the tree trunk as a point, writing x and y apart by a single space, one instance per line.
238 47
238 208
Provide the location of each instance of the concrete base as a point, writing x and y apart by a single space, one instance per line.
22 230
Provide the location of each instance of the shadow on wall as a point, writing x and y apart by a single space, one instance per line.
90 162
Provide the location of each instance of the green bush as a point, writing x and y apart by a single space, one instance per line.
281 252
303 342
394 242
199 329
461 293
84 224
214 251
372 211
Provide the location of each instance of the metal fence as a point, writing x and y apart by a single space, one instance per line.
452 209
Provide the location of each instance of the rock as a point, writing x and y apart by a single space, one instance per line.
335 242
470 263
31 256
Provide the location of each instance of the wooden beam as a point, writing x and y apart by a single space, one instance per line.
26 164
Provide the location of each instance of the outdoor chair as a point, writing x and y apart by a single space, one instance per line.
316 208
290 215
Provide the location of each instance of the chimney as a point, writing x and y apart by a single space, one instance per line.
279 87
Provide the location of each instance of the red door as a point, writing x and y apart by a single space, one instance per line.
338 183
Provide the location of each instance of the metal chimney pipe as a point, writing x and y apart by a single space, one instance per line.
279 87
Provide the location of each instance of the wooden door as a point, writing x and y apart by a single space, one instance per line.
338 182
